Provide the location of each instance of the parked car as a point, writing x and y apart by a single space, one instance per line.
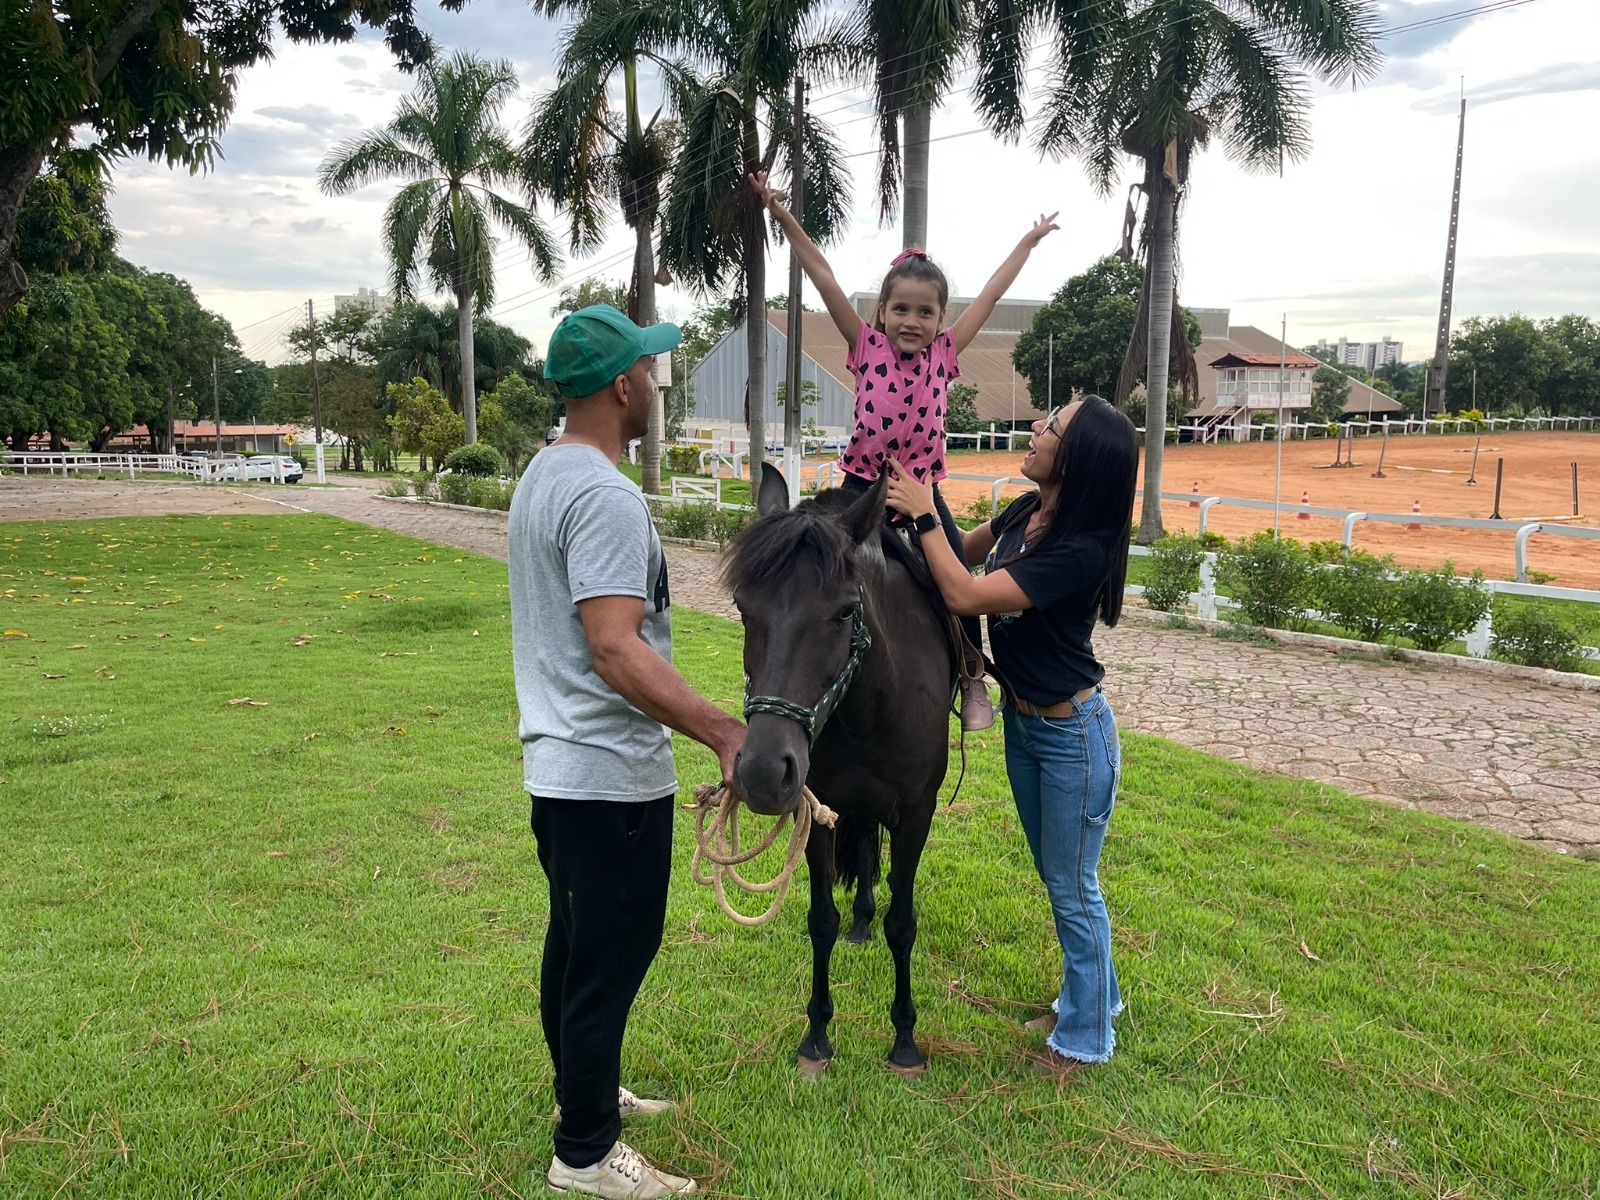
264 466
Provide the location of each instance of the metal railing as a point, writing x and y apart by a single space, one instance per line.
68 463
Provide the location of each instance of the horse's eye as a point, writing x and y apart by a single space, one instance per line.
845 613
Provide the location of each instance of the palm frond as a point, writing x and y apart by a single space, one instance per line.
405 222
700 240
529 231
367 158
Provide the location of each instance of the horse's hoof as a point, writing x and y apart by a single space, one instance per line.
859 935
811 1068
910 1062
912 1072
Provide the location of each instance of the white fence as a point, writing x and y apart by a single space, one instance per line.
130 465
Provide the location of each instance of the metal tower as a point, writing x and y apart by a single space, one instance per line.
1433 398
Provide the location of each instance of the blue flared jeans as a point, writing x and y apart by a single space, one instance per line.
1064 775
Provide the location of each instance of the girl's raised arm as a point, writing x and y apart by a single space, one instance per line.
975 314
839 307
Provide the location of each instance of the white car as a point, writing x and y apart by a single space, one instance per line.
263 466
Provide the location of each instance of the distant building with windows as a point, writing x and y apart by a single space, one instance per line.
1369 356
378 302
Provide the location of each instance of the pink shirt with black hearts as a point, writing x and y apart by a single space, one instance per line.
900 405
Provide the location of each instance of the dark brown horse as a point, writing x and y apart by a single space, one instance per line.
848 683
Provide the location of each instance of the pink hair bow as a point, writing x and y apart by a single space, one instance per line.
905 254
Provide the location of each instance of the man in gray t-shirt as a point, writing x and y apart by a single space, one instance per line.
591 640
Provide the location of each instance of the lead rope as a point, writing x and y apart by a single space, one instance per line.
718 845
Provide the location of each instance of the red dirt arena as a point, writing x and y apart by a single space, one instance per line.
1538 485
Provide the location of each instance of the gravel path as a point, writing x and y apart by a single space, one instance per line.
1521 758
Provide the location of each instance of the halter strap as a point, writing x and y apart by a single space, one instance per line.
812 719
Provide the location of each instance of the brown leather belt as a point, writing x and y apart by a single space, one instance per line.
1064 709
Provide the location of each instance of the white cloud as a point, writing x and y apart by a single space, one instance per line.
1349 242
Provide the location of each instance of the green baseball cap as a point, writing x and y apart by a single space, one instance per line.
594 345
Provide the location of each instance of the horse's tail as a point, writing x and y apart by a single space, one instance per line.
857 850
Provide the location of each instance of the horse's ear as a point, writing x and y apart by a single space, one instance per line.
864 518
774 495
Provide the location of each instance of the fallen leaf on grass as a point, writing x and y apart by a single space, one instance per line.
275 854
311 737
398 654
396 730
1306 950
163 635
47 675
79 646
197 639
105 672
12 633
303 639
245 701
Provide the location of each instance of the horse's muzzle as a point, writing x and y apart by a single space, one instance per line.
770 771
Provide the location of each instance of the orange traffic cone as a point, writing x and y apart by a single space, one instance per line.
1416 511
1303 515
1195 491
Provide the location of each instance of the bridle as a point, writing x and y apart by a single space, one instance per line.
813 718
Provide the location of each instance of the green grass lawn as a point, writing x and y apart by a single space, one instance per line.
289 947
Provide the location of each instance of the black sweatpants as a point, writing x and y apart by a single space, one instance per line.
970 626
608 864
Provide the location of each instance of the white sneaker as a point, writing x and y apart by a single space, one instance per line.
630 1105
623 1174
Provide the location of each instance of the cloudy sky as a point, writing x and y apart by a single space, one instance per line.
1349 242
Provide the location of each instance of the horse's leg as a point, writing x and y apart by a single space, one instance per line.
900 932
864 907
823 924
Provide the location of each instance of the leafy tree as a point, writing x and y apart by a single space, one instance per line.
737 120
413 340
422 420
1330 389
345 333
64 224
961 408
809 393
706 326
1173 75
154 78
446 141
523 404
590 292
1572 381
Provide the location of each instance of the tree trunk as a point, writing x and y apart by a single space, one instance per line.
1162 240
918 125
644 290
469 382
755 330
19 167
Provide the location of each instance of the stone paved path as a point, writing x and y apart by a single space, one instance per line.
1517 757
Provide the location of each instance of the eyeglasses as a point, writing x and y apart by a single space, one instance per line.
1050 421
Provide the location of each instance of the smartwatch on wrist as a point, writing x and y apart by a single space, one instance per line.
926 523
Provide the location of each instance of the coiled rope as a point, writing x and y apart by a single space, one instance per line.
716 836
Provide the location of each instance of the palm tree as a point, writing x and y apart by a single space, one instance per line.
446 140
577 149
714 229
1171 76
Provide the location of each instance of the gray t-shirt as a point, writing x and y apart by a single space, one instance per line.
579 529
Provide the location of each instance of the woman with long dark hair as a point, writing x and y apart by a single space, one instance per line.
1055 561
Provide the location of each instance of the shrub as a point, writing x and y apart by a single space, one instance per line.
1270 578
491 493
1439 607
1174 571
981 509
1356 594
455 489
479 460
1327 551
1214 541
1535 637
398 486
422 484
684 460
727 523
688 520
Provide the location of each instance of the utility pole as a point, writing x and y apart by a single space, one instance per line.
1283 383
1050 376
172 429
794 401
1434 398
316 390
216 404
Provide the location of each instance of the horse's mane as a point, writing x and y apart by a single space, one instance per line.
765 554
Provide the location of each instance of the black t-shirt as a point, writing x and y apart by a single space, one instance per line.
1045 652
